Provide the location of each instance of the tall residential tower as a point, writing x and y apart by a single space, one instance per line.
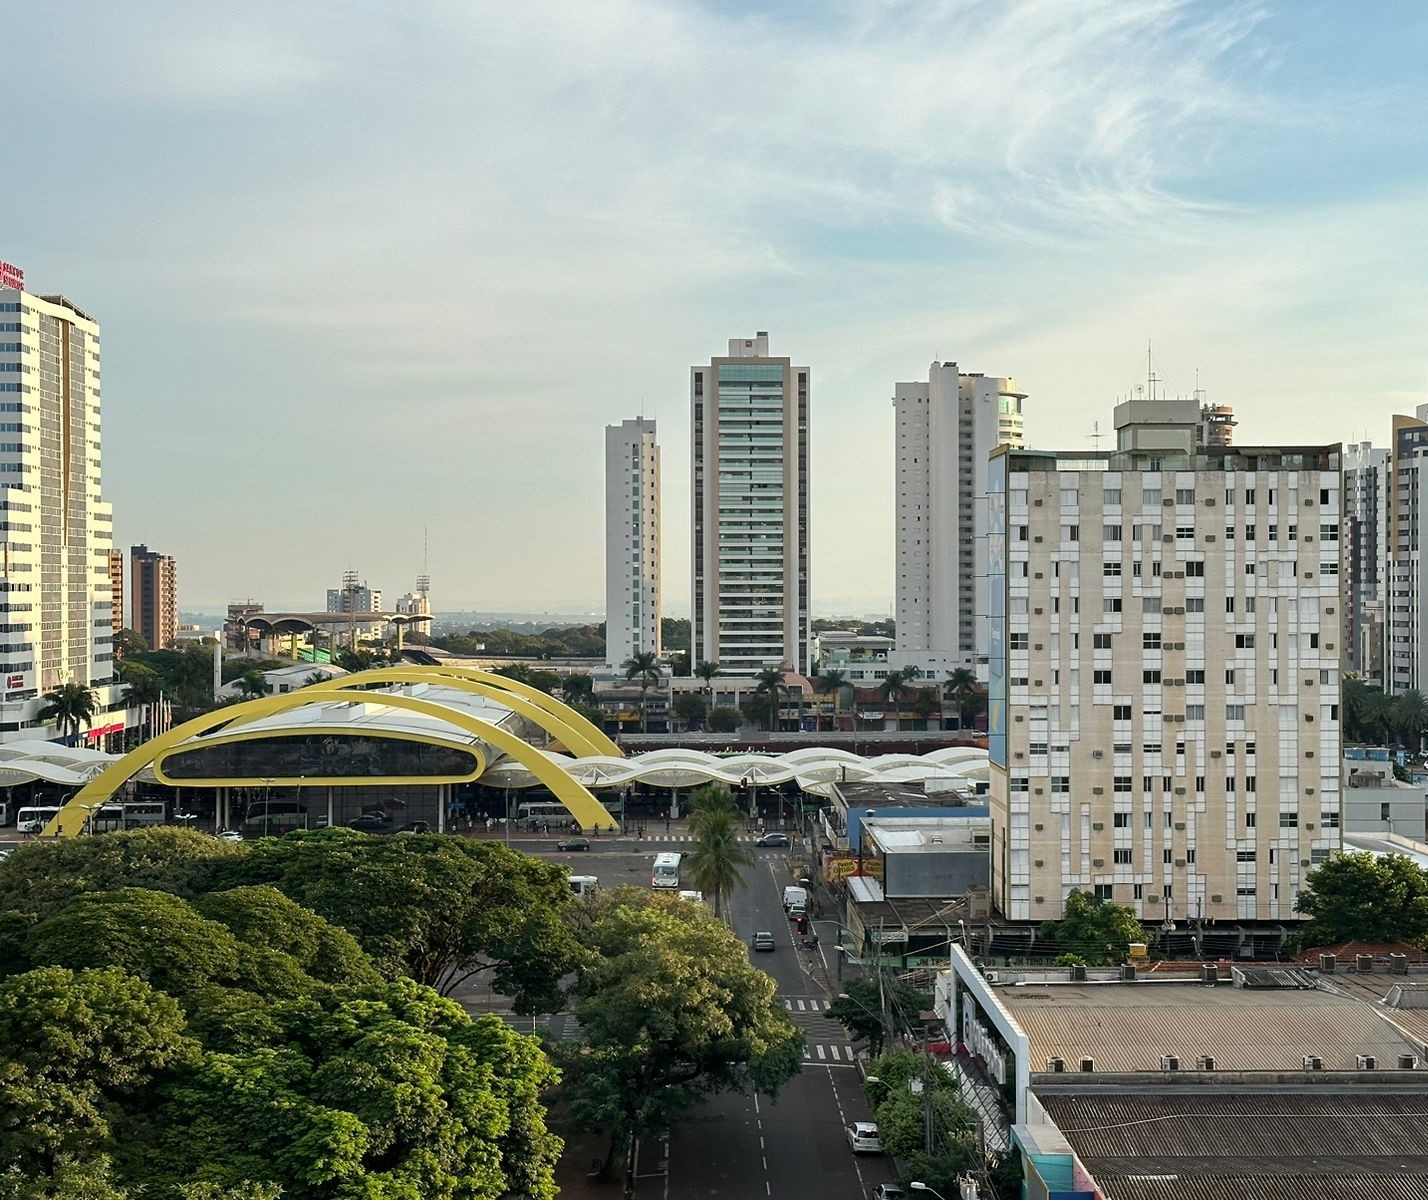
749 424
153 590
1365 538
1164 693
55 601
1406 657
633 599
946 428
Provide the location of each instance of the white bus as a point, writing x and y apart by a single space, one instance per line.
138 813
33 820
666 872
533 810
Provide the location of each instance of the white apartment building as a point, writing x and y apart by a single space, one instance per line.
355 597
749 426
1406 654
55 590
1365 539
1164 692
633 597
946 428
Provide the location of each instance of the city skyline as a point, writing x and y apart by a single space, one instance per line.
292 282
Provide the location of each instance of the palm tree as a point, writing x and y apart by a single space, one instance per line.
578 688
71 706
706 671
1410 715
143 690
643 666
833 680
769 685
717 861
960 687
252 683
894 688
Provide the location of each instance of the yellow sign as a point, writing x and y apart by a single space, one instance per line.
837 869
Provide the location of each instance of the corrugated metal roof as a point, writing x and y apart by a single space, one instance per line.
1129 1027
1267 1187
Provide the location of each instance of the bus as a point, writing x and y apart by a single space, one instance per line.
34 819
533 810
138 813
666 872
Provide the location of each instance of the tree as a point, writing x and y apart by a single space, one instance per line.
578 688
706 671
874 1013
353 659
190 678
71 706
691 708
672 1011
833 681
894 688
1361 897
1410 716
922 1120
768 686
439 909
960 687
675 633
252 683
679 664
143 690
1101 931
127 643
716 862
723 720
643 667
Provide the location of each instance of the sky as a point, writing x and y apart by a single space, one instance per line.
367 271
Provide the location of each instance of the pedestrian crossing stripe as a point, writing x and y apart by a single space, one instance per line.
748 838
825 1053
807 1005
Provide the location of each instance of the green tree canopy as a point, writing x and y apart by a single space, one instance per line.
716 861
1100 931
672 1011
1362 897
438 909
724 720
691 708
874 1013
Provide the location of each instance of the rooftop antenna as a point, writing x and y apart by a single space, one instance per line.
1150 376
1096 435
349 595
424 579
1199 391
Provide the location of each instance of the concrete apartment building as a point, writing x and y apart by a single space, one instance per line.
633 596
356 597
1164 692
116 589
55 604
946 428
1406 651
749 427
1365 538
153 597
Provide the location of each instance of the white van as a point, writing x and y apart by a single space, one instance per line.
795 900
583 885
697 897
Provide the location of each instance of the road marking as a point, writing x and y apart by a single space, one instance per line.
820 1052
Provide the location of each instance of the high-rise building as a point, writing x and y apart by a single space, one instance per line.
116 589
153 597
1217 425
55 601
633 599
356 597
1365 539
749 422
1164 692
946 428
1406 655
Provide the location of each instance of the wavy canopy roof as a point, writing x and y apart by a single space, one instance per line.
69 766
813 769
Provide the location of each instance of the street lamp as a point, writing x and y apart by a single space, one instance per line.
922 1187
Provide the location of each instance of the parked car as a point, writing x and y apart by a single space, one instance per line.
573 844
773 839
230 835
372 822
863 1138
415 827
763 940
887 1191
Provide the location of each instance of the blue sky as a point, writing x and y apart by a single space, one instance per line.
364 267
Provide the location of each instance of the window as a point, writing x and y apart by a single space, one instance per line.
1150 677
1070 533
1068 497
1245 856
1196 676
1230 784
1111 570
1230 678
1120 712
1234 712
1139 890
1194 712
1150 604
1105 891
1100 641
1122 783
1229 604
1111 604
1150 641
1112 495
1184 495
1329 818
1249 820
1245 891
1190 855
1111 533
1185 533
1244 641
1194 604
1018 641
1150 496
1123 857
1101 678
1060 784
1121 821
1167 856
1021 532
1020 783
1289 820
1249 495
1249 533
1195 570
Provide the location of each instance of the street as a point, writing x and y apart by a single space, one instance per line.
747 1146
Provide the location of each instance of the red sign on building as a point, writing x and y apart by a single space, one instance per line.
11 276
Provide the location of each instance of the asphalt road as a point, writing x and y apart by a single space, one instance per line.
740 1147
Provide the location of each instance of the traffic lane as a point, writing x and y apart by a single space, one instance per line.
718 1151
759 906
808 1152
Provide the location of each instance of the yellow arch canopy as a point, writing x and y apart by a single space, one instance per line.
584 807
560 722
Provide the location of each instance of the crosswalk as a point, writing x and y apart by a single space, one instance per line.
836 1053
827 1040
807 1005
749 838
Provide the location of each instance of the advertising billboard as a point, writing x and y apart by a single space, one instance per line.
11 276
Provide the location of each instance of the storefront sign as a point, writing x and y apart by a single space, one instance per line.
11 276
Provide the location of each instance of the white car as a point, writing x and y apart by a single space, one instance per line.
230 835
863 1138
